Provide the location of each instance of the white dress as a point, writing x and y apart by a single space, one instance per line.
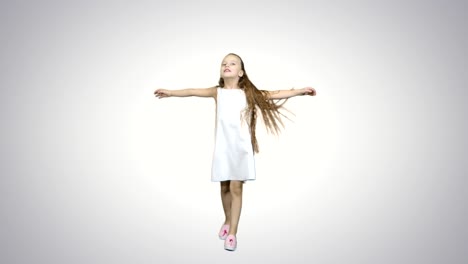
233 157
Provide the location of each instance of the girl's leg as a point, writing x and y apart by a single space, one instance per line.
235 188
226 200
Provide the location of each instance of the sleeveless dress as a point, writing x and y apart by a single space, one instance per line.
233 157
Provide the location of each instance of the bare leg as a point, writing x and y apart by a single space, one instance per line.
226 199
236 205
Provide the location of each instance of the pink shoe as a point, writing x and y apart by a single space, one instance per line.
223 233
230 243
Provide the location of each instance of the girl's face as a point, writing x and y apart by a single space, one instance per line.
231 67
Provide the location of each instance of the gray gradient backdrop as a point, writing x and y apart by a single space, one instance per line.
94 169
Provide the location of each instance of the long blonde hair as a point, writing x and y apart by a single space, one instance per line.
258 99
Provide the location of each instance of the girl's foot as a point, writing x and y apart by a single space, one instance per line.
230 243
223 233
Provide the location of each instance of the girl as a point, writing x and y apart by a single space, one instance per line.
237 102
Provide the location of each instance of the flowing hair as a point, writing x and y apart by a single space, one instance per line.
258 100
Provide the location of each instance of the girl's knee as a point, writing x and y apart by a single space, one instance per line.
236 188
225 187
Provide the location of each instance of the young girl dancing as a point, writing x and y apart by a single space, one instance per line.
237 102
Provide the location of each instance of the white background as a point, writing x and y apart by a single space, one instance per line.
95 169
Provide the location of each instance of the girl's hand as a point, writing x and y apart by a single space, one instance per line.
309 91
162 93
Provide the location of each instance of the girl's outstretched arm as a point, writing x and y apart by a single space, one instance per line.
200 92
283 94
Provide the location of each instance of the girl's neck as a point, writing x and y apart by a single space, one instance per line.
231 83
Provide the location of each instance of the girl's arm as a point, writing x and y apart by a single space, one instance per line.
283 94
200 92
